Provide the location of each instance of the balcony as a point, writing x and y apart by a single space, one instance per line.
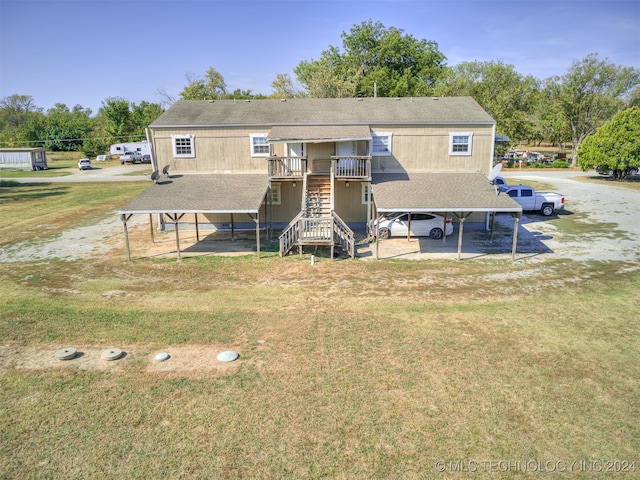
283 168
352 167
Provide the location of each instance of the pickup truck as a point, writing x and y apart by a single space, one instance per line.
130 157
544 202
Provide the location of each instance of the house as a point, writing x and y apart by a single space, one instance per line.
317 168
23 158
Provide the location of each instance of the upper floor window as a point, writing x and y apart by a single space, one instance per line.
259 145
183 146
460 143
380 144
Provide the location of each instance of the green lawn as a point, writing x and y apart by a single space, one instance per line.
348 369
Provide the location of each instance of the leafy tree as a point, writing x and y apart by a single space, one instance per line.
211 87
118 124
615 146
16 111
142 115
283 87
589 94
65 129
505 94
377 61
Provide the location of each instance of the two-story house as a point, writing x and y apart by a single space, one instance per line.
316 168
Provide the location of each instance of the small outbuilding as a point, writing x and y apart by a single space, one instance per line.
23 158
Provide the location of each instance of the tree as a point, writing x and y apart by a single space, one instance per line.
589 94
117 116
615 146
283 87
66 130
505 94
377 61
211 87
16 112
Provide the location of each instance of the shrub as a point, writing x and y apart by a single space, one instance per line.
560 164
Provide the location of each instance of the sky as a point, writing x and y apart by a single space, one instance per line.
83 52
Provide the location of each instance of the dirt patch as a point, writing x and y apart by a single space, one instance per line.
183 358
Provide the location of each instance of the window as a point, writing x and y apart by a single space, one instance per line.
526 192
183 146
259 145
460 143
366 198
380 144
276 193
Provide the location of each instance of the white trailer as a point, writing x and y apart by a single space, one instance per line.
143 148
23 158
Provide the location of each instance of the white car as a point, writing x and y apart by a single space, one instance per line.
84 164
422 225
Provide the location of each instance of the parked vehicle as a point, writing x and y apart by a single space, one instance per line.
421 225
130 157
146 158
544 202
84 164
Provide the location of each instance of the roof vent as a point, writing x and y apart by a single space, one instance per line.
283 100
397 99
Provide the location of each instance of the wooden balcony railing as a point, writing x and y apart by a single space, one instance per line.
287 167
352 166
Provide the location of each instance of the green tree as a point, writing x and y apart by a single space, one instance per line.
117 115
16 111
376 61
64 129
505 94
142 115
211 87
614 146
589 94
283 87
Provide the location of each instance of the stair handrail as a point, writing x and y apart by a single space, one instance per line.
290 235
343 235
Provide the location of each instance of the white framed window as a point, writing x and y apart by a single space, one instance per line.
259 145
460 143
276 193
183 146
380 144
365 195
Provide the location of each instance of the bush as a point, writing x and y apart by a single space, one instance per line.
560 164
537 165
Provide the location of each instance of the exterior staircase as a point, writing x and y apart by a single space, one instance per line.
317 196
317 223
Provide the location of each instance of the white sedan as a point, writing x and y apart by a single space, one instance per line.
421 225
84 164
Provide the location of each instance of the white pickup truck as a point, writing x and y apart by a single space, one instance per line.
130 157
544 202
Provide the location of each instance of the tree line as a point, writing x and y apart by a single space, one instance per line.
374 60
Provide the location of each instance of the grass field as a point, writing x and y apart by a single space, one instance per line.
348 369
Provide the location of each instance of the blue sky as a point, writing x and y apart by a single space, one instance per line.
82 52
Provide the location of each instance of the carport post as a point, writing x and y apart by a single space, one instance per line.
257 220
175 226
444 228
493 222
124 219
151 227
197 230
462 219
516 222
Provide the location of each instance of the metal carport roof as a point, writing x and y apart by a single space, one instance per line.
199 193
438 192
458 193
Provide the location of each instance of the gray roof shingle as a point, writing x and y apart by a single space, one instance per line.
324 111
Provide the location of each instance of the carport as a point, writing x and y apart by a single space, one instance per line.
196 194
458 194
